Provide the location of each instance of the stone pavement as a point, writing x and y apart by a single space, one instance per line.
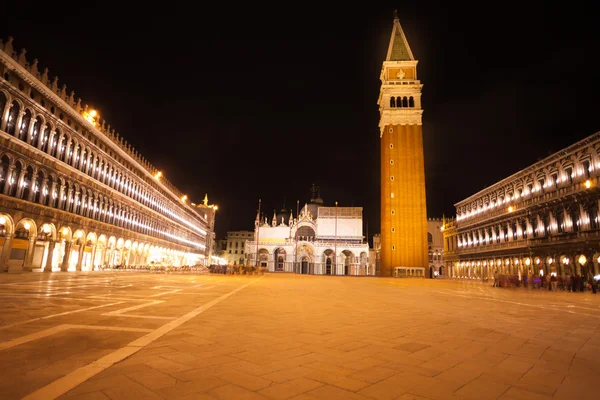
292 337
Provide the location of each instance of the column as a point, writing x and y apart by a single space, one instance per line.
29 255
5 112
47 265
20 187
18 124
64 266
5 252
93 255
41 135
80 256
30 129
7 177
43 191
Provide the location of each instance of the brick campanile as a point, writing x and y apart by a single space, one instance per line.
403 205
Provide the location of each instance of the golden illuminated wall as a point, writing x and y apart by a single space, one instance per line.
403 205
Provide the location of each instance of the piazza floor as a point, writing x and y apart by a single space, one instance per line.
109 335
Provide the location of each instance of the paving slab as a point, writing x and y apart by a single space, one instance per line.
284 336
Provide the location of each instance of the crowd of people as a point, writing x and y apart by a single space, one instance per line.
194 269
551 282
158 268
237 269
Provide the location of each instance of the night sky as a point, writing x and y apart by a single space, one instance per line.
257 102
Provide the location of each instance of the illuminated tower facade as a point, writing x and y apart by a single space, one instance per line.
403 207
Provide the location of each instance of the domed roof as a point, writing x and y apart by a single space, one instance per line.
285 214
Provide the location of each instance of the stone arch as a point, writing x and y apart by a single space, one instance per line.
91 237
65 233
279 258
28 225
4 100
566 263
329 261
306 258
13 180
263 257
13 116
348 261
48 230
26 122
7 224
595 261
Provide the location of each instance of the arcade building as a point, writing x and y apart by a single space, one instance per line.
541 220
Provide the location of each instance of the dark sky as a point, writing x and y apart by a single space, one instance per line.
257 102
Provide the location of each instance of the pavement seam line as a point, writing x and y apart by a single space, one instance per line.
62 385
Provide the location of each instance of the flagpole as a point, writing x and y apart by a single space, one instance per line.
335 258
297 219
257 233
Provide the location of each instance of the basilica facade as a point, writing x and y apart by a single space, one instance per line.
74 195
541 220
319 240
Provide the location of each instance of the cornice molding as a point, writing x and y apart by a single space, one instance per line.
400 117
42 88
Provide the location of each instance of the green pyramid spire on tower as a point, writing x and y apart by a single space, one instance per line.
399 50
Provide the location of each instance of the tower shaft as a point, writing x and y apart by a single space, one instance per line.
403 202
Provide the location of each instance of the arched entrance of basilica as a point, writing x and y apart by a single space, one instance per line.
304 264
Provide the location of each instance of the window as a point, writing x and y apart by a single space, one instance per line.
392 195
429 237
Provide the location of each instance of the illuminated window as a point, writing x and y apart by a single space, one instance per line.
393 212
392 178
391 162
391 146
392 195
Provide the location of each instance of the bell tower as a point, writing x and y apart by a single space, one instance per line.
403 208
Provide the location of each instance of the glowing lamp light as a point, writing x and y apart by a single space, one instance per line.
91 116
184 198
527 261
550 260
588 184
46 228
2 220
582 260
510 209
566 261
158 175
26 225
79 234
